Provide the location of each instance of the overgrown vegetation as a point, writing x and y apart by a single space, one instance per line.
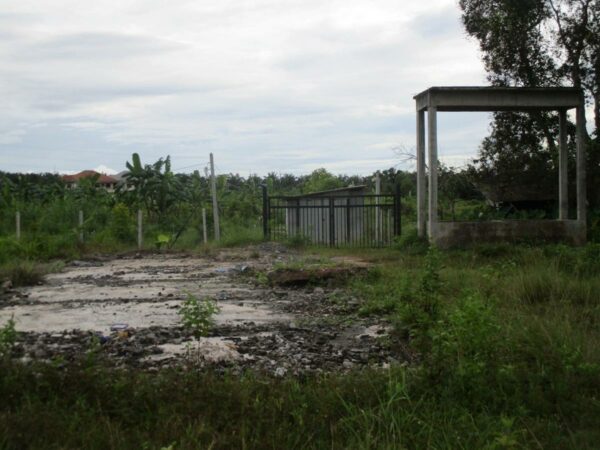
508 356
8 336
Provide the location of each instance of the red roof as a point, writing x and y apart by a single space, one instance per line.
103 179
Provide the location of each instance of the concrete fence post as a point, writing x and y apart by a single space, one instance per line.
81 226
140 235
18 224
378 224
204 233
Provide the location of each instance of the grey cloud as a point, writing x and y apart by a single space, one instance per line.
258 86
109 46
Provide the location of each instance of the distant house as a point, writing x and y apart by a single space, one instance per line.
121 179
105 181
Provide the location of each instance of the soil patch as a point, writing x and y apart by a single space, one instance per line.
125 311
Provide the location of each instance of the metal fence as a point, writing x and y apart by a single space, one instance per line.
336 220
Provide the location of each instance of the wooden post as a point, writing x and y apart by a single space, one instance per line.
213 187
81 226
140 233
18 225
204 233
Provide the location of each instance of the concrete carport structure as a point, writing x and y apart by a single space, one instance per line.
447 234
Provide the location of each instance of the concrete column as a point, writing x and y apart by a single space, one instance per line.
563 185
433 170
581 193
421 192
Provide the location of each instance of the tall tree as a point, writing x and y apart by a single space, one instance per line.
535 43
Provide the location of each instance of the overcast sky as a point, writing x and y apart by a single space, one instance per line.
266 85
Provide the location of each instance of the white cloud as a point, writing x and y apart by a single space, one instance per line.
266 85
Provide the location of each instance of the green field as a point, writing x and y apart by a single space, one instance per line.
507 345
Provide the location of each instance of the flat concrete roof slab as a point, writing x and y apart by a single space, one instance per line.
481 98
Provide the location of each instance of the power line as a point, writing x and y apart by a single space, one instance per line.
189 167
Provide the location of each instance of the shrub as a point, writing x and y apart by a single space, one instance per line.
421 313
466 347
197 315
23 273
411 243
121 224
588 262
8 336
235 235
10 249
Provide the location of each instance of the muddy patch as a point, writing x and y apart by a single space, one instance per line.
125 311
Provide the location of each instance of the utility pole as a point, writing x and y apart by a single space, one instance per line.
213 188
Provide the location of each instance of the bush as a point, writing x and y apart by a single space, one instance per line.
466 348
236 235
10 249
198 315
121 224
8 336
23 273
588 262
410 242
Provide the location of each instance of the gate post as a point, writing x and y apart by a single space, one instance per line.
397 211
265 212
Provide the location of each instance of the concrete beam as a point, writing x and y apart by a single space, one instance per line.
498 98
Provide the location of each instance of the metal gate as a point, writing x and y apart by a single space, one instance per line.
333 220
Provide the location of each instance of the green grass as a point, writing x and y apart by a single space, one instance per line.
508 345
94 408
27 273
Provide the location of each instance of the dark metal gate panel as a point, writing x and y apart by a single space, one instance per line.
341 220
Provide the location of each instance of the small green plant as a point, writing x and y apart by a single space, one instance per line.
262 279
197 315
8 336
162 240
420 315
92 352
